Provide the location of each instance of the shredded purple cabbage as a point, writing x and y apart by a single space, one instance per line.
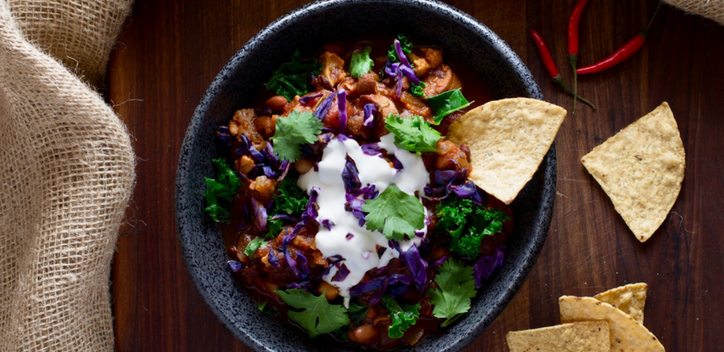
354 205
342 105
285 217
367 192
379 283
350 176
306 285
285 169
272 258
341 274
268 171
335 259
243 148
342 138
306 99
440 261
396 163
400 54
369 115
323 107
260 214
371 149
487 264
468 190
408 72
235 266
224 136
417 266
327 224
256 155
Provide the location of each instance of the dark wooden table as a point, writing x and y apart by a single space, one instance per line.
170 51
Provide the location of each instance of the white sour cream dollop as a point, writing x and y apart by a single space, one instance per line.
360 249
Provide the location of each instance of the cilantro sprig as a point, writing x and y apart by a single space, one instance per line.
316 315
413 134
394 213
292 78
403 316
456 289
294 130
447 102
361 63
467 224
221 191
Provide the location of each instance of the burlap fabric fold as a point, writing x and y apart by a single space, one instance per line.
66 175
713 9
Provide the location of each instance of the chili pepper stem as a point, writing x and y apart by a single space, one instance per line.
558 80
651 21
573 59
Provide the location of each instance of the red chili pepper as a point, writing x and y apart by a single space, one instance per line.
550 65
573 43
623 53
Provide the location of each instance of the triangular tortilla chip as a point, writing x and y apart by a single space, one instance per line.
626 334
588 336
630 299
641 169
508 139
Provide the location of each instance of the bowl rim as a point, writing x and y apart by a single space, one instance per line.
547 194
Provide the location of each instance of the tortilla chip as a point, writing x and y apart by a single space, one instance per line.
630 299
588 336
508 139
626 333
641 169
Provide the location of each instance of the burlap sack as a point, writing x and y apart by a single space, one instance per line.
66 174
713 9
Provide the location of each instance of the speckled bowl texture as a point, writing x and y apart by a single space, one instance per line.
238 82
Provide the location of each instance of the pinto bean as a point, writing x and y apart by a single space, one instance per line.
364 334
276 103
303 165
329 291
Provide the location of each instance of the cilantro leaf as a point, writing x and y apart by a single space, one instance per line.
416 90
221 191
294 130
447 102
394 213
253 245
361 63
456 288
317 315
292 78
405 44
402 316
413 134
467 224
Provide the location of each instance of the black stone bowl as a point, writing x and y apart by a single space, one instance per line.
312 26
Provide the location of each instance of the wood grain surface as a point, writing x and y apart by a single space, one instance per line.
170 50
